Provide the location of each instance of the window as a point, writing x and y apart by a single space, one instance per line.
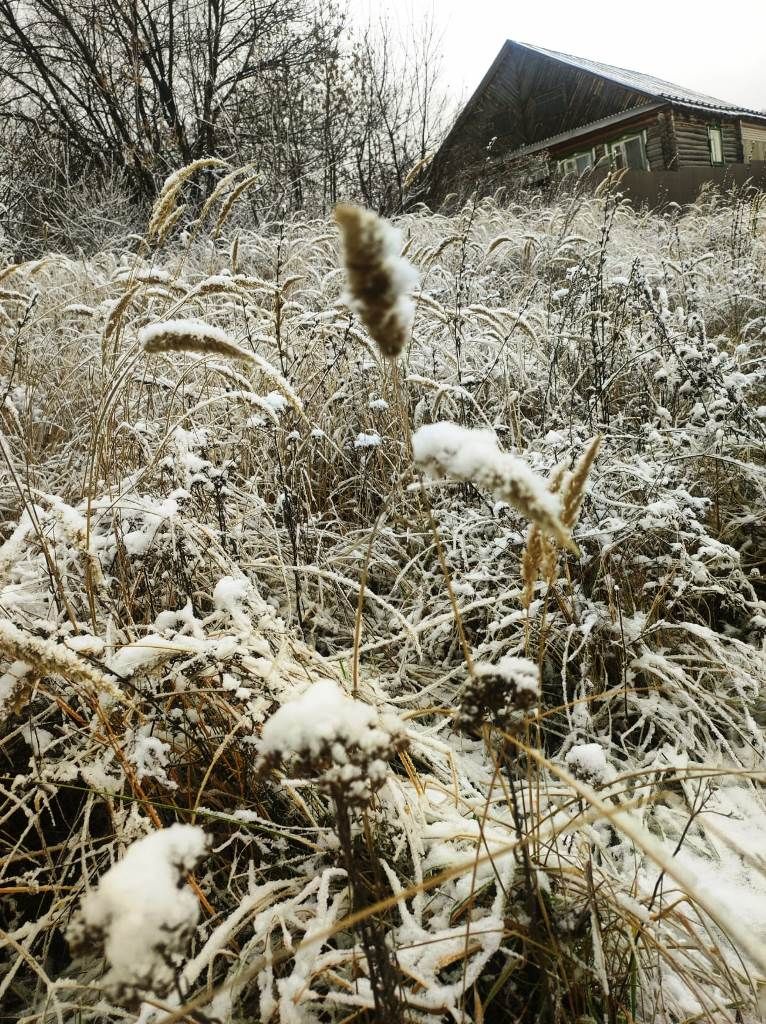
715 137
578 163
629 153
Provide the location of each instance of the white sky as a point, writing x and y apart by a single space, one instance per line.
713 46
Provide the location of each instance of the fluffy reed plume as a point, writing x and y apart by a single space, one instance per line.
165 203
535 559
117 312
202 339
447 449
417 168
228 204
190 336
50 658
170 222
379 279
220 190
272 374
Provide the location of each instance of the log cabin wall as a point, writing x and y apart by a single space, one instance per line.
655 153
693 140
524 99
674 138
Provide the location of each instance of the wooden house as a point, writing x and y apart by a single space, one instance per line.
550 113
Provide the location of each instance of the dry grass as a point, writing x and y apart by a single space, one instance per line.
597 855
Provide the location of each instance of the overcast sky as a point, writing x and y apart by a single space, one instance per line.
713 46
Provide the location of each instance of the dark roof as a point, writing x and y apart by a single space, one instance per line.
658 88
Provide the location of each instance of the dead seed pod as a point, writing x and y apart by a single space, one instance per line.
340 743
498 694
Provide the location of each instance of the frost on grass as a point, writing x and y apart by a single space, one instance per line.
340 742
214 570
380 280
473 455
142 913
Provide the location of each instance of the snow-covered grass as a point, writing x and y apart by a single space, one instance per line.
552 648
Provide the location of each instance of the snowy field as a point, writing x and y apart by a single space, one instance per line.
339 686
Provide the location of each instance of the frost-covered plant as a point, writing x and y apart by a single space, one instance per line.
335 740
474 456
142 914
184 548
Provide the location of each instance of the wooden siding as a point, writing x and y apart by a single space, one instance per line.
694 142
527 99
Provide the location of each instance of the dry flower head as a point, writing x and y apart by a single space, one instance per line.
379 278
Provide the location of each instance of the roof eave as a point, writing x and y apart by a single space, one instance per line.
476 95
587 129
733 112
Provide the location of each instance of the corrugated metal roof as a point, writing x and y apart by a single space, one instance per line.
648 84
586 129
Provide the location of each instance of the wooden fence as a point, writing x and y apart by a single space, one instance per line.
658 188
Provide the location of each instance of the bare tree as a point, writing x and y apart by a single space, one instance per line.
105 95
400 108
144 85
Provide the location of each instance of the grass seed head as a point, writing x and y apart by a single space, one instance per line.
379 279
190 336
573 490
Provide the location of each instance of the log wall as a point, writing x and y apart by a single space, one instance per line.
694 144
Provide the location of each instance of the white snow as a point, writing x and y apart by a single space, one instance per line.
11 679
275 401
143 908
230 596
367 441
322 712
149 754
520 673
587 761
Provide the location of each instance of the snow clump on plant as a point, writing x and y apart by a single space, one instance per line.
142 913
340 742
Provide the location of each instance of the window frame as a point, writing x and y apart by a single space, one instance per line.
612 144
711 129
572 159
